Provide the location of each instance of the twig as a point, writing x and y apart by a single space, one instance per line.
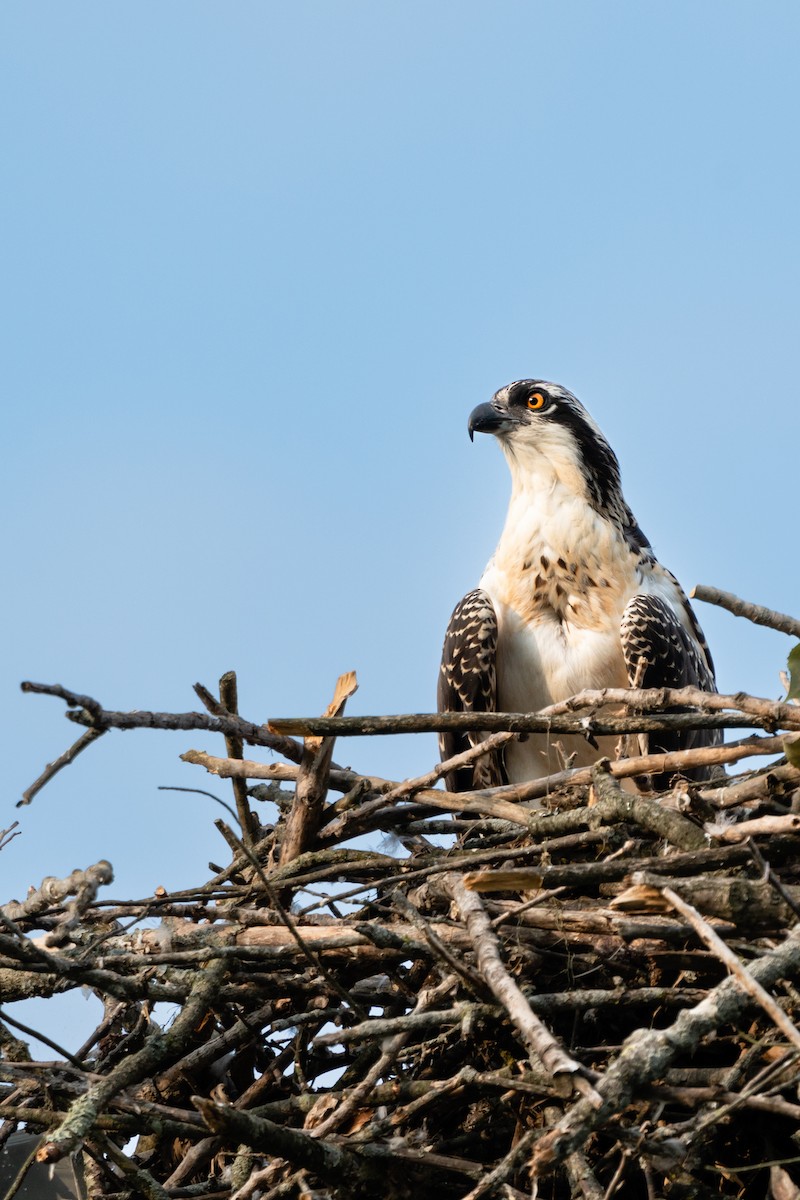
614 804
645 764
86 711
790 823
19 1178
582 1179
325 1159
438 945
377 1071
233 768
745 979
647 1053
567 1072
7 835
138 1066
141 1180
229 696
504 1167
547 1005
72 699
503 803
745 608
793 901
755 785
466 758
63 760
43 1038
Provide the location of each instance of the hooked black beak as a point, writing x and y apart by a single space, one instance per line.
488 419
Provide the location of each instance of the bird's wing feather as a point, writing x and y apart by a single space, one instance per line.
467 683
659 652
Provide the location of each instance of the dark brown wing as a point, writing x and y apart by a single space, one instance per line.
660 653
467 683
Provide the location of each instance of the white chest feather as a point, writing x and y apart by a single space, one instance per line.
559 580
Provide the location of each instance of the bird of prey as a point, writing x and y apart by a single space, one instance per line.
572 598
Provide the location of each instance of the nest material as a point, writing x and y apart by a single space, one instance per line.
596 997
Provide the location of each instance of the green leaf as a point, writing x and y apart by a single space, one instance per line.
793 662
791 748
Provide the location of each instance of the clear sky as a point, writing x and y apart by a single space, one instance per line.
259 262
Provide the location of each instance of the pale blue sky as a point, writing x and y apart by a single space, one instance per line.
259 262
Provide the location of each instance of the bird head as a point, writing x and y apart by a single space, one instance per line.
545 430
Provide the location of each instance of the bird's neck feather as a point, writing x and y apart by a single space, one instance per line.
535 473
550 513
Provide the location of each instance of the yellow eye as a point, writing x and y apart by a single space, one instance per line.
535 400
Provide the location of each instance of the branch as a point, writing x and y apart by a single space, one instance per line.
628 768
567 1073
503 803
51 892
748 712
312 780
646 1054
141 1065
325 1159
86 739
229 697
744 978
86 711
744 608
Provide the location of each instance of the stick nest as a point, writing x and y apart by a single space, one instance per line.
595 996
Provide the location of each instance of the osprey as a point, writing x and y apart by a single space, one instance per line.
572 598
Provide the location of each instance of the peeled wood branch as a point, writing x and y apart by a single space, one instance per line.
645 764
790 823
746 903
757 785
233 768
312 780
